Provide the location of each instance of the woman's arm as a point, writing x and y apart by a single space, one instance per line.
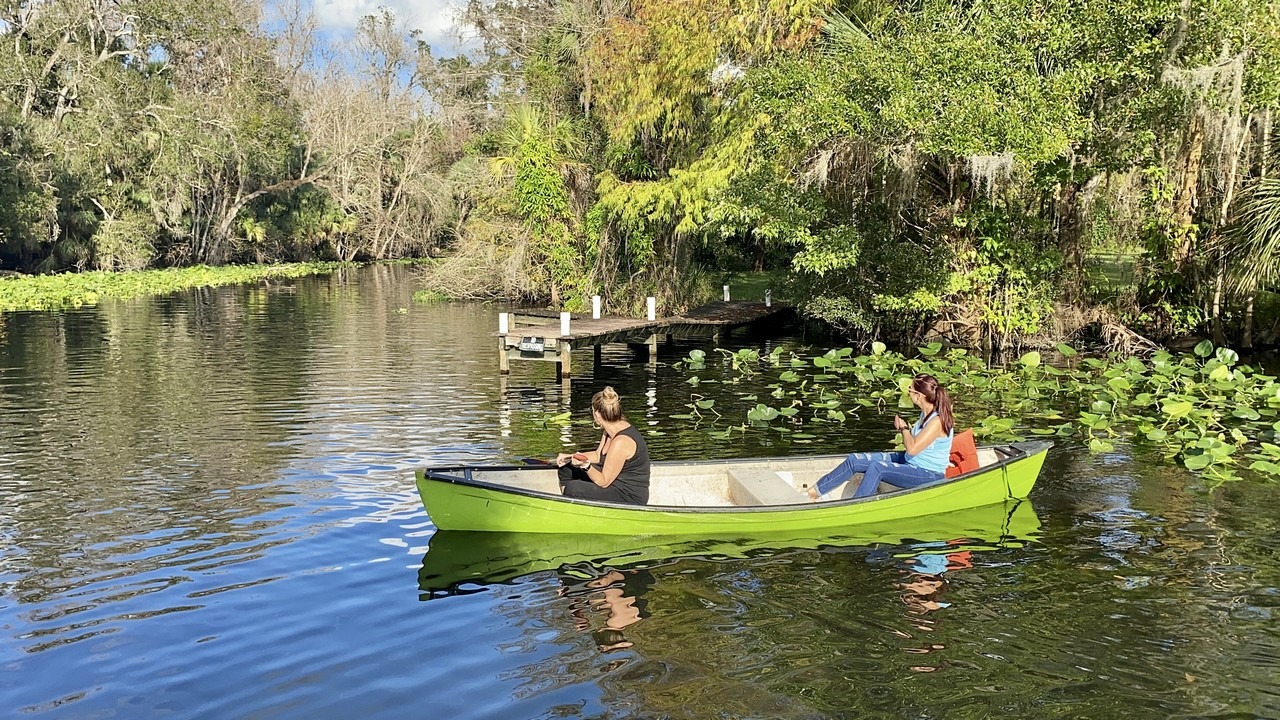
592 457
932 431
595 455
622 450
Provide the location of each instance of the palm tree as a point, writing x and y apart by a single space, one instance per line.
1252 245
539 157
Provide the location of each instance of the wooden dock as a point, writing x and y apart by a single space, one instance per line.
552 337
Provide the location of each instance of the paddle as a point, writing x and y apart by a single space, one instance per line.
580 457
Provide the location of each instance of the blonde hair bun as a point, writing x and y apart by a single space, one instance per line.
607 405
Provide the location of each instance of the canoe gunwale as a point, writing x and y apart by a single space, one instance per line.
1013 453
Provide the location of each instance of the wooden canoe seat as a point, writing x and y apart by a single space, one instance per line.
750 487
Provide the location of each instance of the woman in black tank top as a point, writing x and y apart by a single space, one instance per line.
618 469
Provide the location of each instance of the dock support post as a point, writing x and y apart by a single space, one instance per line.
564 368
595 307
596 365
651 306
504 365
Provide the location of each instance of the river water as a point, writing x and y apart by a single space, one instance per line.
207 510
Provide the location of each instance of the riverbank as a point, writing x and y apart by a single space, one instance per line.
67 290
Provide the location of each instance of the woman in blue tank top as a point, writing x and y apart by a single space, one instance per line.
927 442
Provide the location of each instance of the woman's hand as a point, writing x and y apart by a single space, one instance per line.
899 423
563 458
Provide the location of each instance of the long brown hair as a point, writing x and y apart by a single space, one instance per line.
607 404
932 390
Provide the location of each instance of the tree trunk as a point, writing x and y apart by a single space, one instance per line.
1219 337
1069 235
1185 201
1246 341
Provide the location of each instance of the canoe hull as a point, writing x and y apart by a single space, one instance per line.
454 503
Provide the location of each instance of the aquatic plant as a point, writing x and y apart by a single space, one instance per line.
1205 410
72 290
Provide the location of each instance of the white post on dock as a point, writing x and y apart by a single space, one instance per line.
504 363
726 293
652 304
768 298
564 324
595 307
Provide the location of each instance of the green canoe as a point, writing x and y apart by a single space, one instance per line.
723 498
458 561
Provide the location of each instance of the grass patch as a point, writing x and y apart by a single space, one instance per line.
70 290
429 296
751 285
1111 274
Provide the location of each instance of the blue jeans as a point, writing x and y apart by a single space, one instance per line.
891 467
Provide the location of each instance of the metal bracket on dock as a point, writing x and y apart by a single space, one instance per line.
534 348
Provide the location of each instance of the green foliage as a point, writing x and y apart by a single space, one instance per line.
49 292
429 296
832 250
1007 275
537 156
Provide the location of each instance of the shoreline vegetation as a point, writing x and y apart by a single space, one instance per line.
73 290
978 174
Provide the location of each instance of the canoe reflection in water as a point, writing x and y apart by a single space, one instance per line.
461 562
617 595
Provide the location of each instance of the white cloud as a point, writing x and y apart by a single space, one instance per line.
434 18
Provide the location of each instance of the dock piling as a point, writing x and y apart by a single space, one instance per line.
504 365
564 368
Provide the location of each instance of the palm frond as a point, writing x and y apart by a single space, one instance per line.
1251 246
845 33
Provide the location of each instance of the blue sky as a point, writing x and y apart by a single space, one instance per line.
433 17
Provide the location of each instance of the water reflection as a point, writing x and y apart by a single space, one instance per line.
924 571
617 596
460 562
